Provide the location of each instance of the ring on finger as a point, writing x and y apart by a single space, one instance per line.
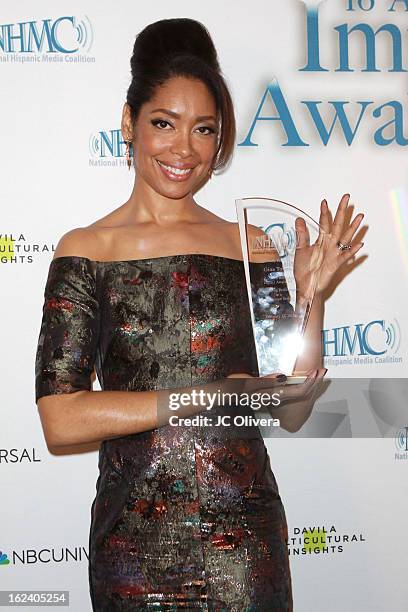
343 247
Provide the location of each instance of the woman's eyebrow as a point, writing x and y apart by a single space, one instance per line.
177 116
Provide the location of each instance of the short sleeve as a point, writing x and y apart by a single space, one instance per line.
69 331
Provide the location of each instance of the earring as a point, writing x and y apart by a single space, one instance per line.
127 154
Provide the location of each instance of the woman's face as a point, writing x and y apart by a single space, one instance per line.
175 137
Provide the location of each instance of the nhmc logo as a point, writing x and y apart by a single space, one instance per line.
373 339
279 237
107 148
107 144
63 35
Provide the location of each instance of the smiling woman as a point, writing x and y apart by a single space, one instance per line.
153 297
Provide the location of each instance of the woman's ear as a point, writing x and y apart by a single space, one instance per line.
126 125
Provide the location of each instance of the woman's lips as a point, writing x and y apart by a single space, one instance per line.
172 175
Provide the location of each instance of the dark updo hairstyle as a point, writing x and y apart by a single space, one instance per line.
181 47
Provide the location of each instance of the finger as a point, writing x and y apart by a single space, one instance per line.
314 382
339 216
346 255
347 236
309 382
298 392
311 376
313 393
321 373
324 219
270 381
302 233
278 375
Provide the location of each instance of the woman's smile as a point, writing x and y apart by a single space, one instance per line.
173 173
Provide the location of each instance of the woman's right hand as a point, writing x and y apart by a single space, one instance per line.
296 401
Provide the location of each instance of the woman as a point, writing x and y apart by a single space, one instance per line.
153 295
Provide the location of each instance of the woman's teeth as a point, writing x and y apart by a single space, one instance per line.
175 171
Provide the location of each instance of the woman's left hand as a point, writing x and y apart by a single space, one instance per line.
332 256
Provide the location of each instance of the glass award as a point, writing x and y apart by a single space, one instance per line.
282 249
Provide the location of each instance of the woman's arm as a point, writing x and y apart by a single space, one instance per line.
93 416
332 259
311 356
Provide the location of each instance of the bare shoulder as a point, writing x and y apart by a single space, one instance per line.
206 216
255 231
233 226
80 242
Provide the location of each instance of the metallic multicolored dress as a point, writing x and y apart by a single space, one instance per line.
184 518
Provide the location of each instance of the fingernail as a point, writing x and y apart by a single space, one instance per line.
361 245
281 378
325 371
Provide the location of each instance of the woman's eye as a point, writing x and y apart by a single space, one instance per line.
156 122
162 123
210 130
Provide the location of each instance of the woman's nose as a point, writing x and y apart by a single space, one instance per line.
182 145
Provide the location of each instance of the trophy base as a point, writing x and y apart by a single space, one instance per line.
292 379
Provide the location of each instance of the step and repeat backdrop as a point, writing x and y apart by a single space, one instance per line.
320 95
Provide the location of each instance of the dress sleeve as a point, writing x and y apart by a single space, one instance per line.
69 331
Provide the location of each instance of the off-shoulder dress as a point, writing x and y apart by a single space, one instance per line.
184 518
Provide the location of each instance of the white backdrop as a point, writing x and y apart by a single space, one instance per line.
62 167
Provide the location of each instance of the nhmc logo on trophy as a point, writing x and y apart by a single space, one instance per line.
67 35
377 341
278 238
